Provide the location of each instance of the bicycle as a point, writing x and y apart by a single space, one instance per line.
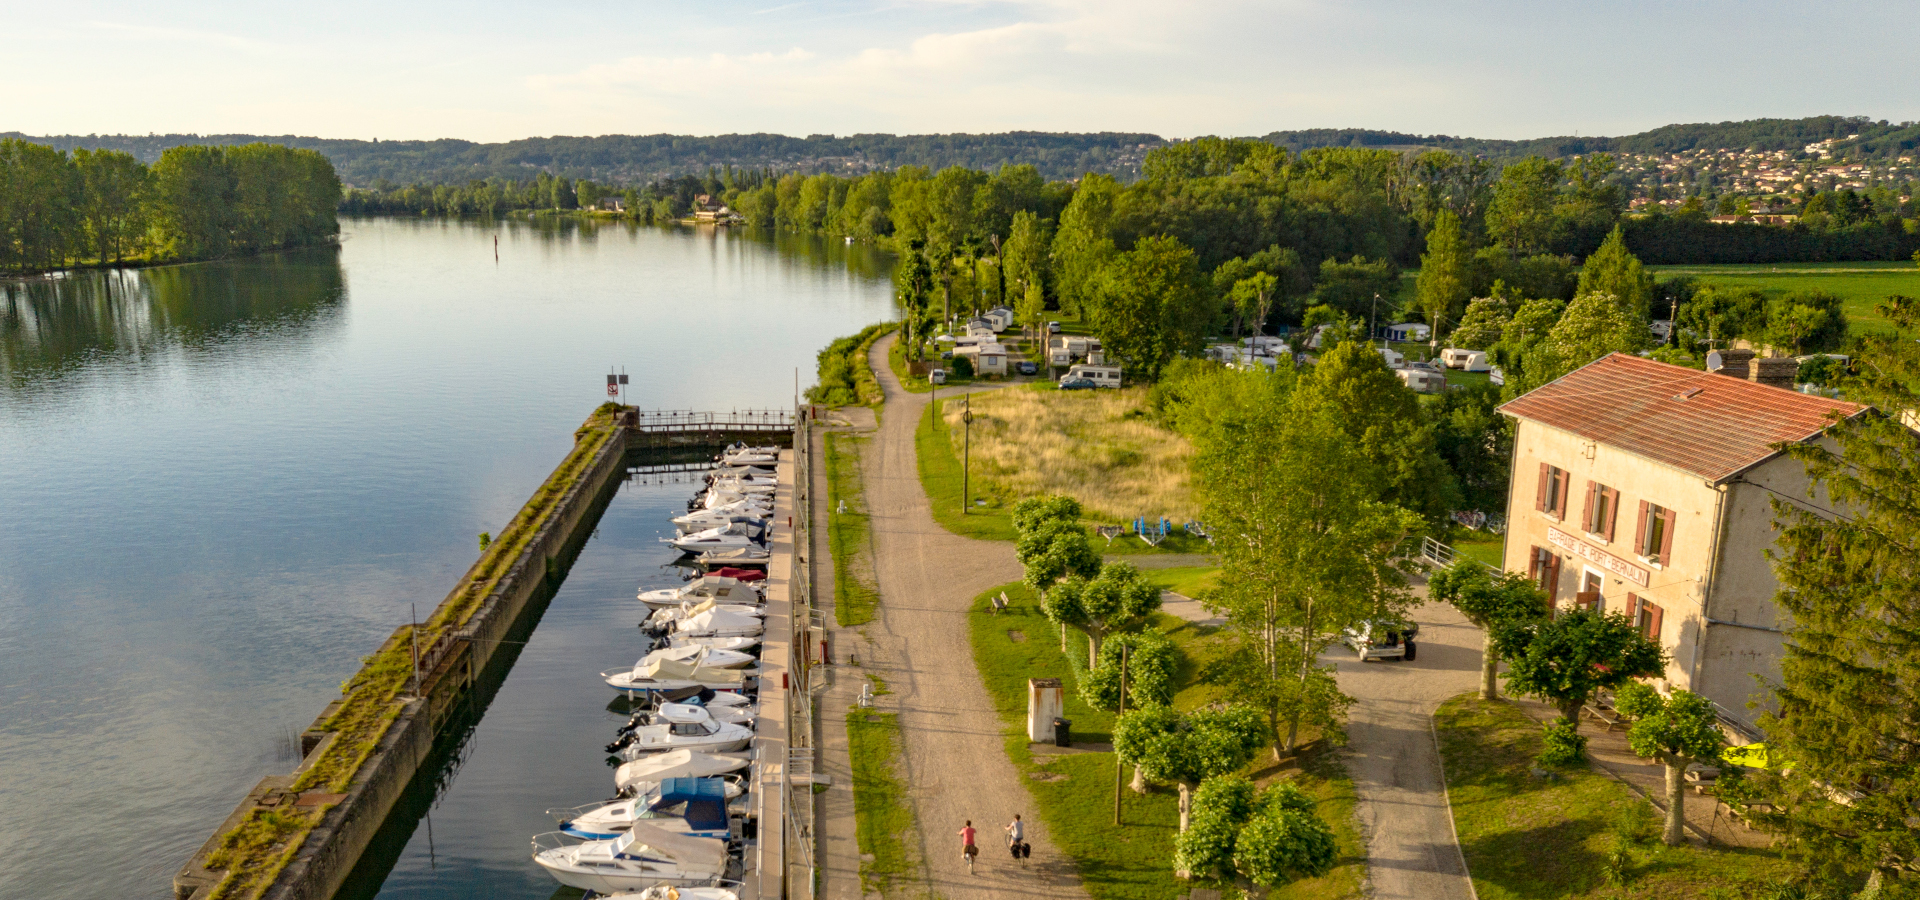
970 851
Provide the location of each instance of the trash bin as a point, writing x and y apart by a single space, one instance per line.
1062 733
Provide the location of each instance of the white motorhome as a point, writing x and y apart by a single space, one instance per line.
1101 376
1422 381
1469 360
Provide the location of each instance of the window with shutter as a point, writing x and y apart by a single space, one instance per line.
1613 509
1633 607
1666 537
1653 622
1655 542
1598 519
1560 495
1640 530
1540 498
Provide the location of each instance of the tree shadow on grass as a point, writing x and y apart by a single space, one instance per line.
1550 861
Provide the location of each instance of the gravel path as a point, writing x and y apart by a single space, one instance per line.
954 760
1411 850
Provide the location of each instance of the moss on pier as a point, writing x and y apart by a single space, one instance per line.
266 840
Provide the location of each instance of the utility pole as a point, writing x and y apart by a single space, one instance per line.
1373 319
966 465
1119 769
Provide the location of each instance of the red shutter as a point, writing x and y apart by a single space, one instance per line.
1653 623
1586 513
1540 498
1640 531
1613 512
1566 484
1666 538
1633 607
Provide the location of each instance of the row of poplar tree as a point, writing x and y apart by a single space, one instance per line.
105 207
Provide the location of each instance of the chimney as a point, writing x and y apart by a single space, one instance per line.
1775 371
1733 363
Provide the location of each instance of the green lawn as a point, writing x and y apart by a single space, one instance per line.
1861 285
1187 581
1074 792
849 534
882 816
1528 838
1482 546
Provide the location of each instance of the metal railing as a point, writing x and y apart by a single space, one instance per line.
1442 555
690 420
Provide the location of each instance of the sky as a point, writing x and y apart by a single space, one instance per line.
490 71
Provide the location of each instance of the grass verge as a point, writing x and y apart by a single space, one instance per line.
256 850
1480 546
1187 581
1581 835
1073 791
849 533
881 813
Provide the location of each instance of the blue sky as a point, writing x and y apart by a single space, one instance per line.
486 70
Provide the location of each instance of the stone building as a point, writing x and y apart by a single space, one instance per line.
1645 489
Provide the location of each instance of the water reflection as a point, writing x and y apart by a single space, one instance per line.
53 326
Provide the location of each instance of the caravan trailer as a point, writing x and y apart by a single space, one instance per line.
1101 376
1469 360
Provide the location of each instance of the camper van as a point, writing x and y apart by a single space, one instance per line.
1422 381
1469 360
1101 376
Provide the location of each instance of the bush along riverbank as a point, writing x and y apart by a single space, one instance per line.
844 377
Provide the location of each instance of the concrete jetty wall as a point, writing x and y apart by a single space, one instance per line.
330 851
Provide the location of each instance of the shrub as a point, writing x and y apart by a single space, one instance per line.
1636 700
1564 745
1220 807
1152 661
1284 844
962 367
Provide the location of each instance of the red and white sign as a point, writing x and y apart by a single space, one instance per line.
613 390
1595 555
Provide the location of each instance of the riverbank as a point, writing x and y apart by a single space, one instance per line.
299 835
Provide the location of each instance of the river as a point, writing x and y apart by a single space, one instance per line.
221 484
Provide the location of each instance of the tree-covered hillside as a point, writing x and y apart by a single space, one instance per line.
1875 139
638 159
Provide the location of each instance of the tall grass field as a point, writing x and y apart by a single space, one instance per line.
1862 285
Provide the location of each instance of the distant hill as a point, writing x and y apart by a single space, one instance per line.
1875 139
630 158
625 159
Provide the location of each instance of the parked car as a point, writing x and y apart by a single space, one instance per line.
1053 327
1027 368
1382 639
1077 384
937 376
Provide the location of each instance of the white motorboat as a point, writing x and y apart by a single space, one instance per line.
714 499
667 675
641 858
737 556
663 892
708 735
740 479
719 623
718 587
665 617
716 643
634 777
680 714
703 519
705 656
726 537
743 455
689 806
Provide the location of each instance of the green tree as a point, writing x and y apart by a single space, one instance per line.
1475 442
1677 730
1152 662
1185 749
1117 600
1306 542
1521 214
1807 321
1491 601
1565 659
1614 271
115 187
1383 420
1351 287
1221 807
1148 306
1282 844
40 197
1720 314
1849 688
913 288
1482 324
1592 326
1252 297
1442 288
193 202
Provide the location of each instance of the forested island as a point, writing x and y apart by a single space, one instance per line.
60 210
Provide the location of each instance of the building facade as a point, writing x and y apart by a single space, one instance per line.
1646 489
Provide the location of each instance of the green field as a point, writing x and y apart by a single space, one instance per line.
1862 284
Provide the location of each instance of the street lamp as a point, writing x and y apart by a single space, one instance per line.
966 464
1373 323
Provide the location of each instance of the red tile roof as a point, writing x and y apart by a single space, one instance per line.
1713 426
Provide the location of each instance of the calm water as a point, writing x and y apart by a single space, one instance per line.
222 484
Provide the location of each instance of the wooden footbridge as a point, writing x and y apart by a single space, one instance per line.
674 429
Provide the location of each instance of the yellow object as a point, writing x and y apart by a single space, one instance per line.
1750 755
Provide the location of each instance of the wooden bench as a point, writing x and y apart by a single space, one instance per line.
1609 717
